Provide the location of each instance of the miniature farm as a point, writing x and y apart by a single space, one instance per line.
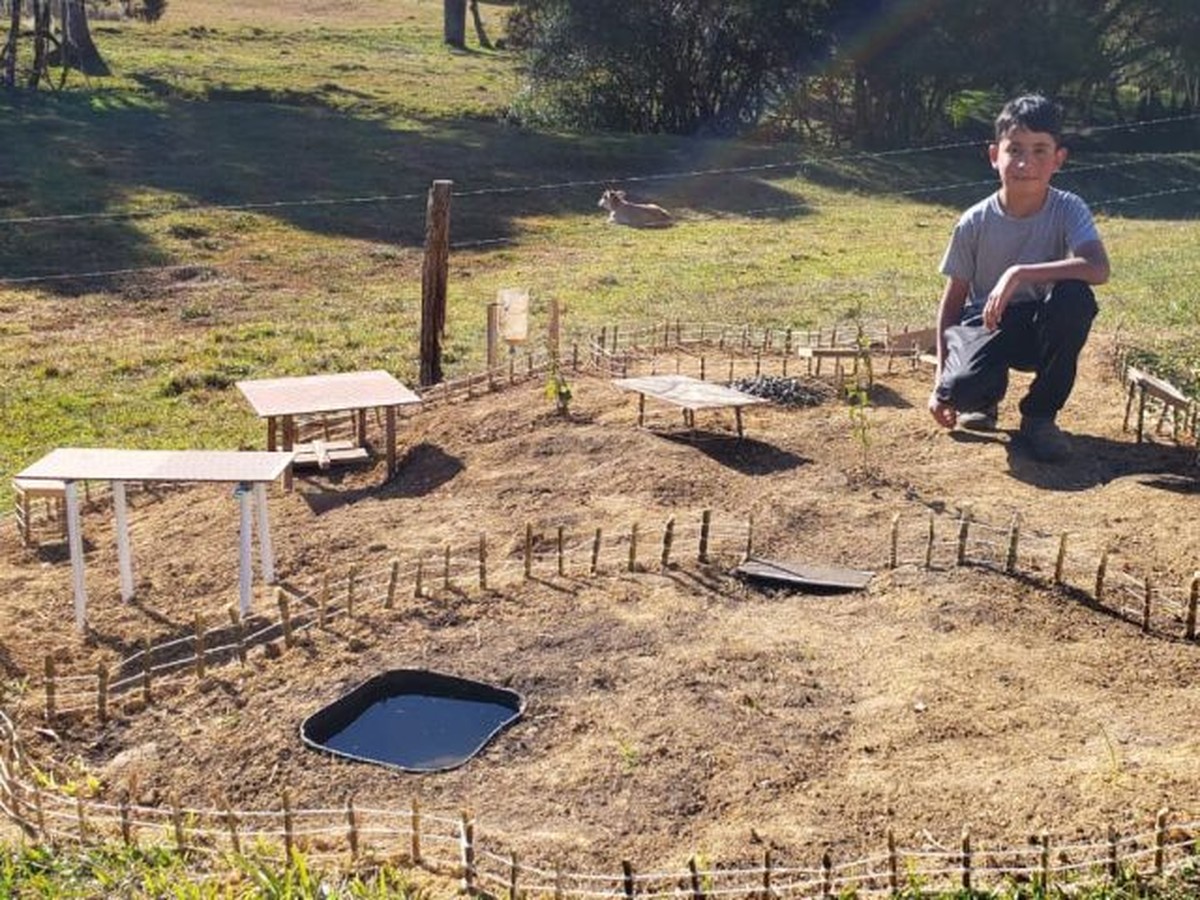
1020 664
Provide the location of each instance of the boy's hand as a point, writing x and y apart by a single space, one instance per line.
943 413
997 301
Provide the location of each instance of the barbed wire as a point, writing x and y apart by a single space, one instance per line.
814 161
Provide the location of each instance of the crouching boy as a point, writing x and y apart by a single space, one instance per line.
1019 270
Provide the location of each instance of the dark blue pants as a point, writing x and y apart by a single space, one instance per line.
1044 337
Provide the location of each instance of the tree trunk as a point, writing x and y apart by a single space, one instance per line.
454 22
478 20
78 49
9 54
41 38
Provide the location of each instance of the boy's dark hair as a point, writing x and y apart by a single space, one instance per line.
1033 112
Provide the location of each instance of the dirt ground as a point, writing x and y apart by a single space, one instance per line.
685 710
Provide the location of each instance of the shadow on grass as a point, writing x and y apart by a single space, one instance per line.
100 157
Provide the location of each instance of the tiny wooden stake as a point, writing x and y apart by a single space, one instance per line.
1160 841
694 878
40 814
418 589
596 551
1193 601
668 540
285 616
82 818
393 580
351 828
288 835
731 370
1147 597
964 523
239 633
893 863
894 552
231 825
1114 862
415 827
48 680
482 561
147 672
705 525
446 568
562 563
323 601
513 869
929 544
702 367
633 542
966 861
627 872
1100 571
750 536
559 883
466 837
1014 532
1061 561
198 644
102 693
1045 862
126 824
528 550
177 825
768 862
826 874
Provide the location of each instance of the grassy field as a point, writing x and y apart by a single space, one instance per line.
257 175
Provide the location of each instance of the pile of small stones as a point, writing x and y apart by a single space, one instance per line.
784 391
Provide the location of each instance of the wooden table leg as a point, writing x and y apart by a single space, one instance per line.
737 414
271 428
390 440
362 428
289 442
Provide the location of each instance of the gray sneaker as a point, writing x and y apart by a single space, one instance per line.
980 420
1045 440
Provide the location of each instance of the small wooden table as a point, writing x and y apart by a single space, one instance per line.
687 392
280 400
250 470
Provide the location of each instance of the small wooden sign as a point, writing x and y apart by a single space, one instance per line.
514 314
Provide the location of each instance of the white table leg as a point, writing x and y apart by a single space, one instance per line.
124 558
265 551
244 561
75 542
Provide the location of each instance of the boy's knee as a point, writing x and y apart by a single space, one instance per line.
1073 300
1069 310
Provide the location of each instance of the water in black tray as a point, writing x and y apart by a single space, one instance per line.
414 720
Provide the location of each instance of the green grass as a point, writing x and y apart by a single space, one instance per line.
281 106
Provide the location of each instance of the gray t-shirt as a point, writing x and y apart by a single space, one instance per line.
986 241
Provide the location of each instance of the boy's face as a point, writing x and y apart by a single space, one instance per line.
1026 159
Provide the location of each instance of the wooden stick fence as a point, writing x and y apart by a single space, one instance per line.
52 817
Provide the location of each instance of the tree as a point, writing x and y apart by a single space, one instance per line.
702 67
78 50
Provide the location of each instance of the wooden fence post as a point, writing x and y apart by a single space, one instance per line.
1193 600
415 826
434 280
198 643
596 551
102 693
705 525
351 828
627 878
668 540
483 583
1160 841
633 547
393 580
1061 560
466 836
1100 573
894 552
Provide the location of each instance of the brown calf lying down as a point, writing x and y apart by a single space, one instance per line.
637 215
